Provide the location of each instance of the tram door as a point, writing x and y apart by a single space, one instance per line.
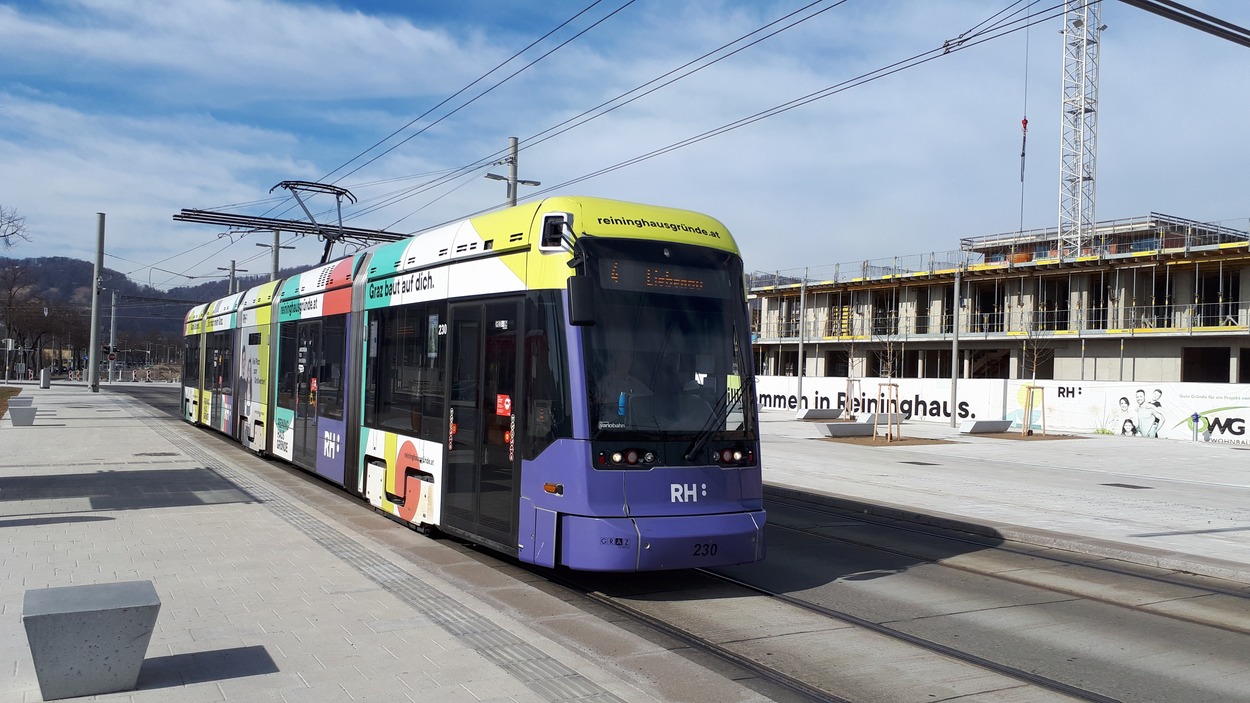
482 477
220 380
308 360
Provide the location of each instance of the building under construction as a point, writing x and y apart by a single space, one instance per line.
1152 299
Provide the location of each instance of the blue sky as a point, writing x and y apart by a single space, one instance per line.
142 108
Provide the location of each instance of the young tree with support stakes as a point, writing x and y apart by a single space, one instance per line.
886 334
1036 350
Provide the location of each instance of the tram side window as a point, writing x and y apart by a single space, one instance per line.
287 365
191 363
406 376
220 361
330 373
546 372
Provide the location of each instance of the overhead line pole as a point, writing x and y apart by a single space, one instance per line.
93 351
232 271
276 246
511 179
113 338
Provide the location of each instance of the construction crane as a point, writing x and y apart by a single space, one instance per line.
1082 26
1078 145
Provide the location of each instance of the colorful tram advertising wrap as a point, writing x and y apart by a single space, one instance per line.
567 382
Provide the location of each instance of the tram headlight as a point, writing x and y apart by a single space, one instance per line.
628 457
733 456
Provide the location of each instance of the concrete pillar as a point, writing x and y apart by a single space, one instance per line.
907 311
1243 296
1184 286
1124 303
1079 300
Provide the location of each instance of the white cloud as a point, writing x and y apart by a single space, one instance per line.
268 50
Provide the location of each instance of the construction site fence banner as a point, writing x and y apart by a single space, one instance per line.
1210 412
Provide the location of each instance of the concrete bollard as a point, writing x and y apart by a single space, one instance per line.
87 640
22 415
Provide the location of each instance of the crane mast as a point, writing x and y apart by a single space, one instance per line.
1078 146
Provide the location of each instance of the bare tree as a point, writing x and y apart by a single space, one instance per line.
1038 344
12 227
16 291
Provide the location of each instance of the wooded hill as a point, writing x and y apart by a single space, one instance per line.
45 303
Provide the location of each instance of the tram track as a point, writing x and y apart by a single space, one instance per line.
1012 672
1137 588
770 675
874 662
1122 604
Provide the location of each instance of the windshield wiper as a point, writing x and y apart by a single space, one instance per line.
719 414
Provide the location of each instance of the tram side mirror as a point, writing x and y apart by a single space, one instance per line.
553 227
581 301
556 232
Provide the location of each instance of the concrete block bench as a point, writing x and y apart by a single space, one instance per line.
885 418
86 640
819 414
845 429
22 415
21 400
984 426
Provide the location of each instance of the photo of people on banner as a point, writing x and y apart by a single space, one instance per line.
1141 420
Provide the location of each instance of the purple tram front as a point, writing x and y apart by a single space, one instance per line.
661 469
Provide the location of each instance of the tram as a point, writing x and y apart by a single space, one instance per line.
568 382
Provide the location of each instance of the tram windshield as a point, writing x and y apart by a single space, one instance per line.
669 354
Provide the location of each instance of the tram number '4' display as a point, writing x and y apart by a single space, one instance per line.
653 277
704 549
